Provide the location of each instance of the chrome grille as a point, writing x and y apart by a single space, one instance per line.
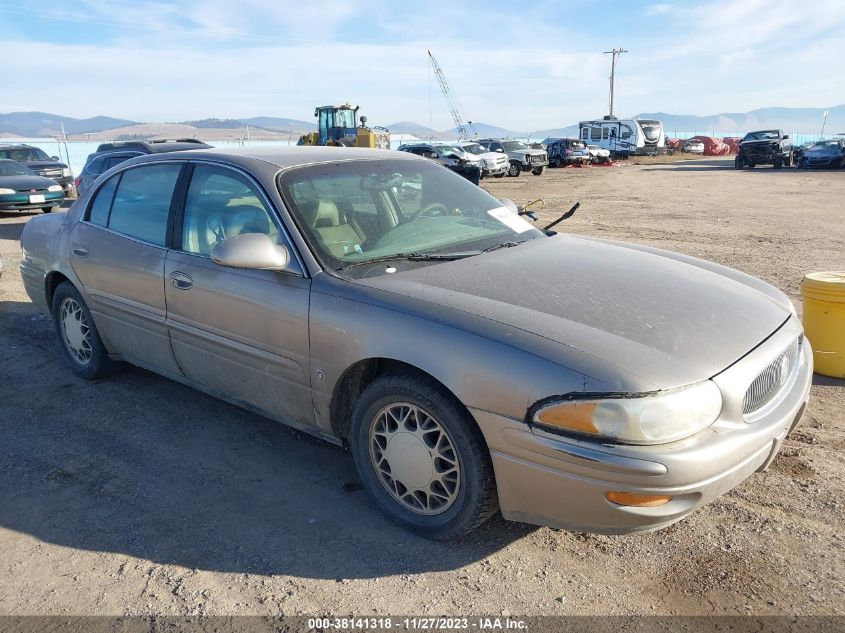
771 380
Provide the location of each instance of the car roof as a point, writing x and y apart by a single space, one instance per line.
281 157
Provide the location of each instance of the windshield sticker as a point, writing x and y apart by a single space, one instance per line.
510 219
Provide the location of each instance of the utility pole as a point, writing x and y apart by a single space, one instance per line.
616 52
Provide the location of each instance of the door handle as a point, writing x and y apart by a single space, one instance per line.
180 280
80 250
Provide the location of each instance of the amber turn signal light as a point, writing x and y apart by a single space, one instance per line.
637 500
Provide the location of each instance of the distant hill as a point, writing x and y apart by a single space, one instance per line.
486 130
801 120
32 124
560 132
415 129
220 124
278 124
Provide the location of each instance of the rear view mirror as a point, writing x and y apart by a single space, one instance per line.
254 251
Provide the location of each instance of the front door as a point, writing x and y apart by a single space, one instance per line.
237 333
118 251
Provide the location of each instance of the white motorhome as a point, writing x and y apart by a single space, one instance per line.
624 137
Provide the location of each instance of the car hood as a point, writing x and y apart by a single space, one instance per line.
25 182
668 319
822 152
40 164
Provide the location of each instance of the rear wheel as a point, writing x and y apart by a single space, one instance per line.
514 170
422 457
555 162
47 209
538 171
79 339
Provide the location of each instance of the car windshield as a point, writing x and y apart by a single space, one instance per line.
765 135
825 145
352 212
11 168
445 150
511 146
23 154
473 148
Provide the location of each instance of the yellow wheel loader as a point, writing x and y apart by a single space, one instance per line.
338 125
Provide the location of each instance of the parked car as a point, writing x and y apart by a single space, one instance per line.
110 154
469 360
829 153
693 146
492 163
454 158
568 151
37 160
522 158
598 155
764 147
21 189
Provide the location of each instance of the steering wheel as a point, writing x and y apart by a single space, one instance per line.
431 210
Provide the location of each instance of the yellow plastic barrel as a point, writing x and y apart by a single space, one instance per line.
824 320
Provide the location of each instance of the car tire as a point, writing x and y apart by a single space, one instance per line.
79 339
555 162
409 417
47 209
514 169
538 171
787 161
738 162
777 163
502 175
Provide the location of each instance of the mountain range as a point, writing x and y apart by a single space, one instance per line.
801 120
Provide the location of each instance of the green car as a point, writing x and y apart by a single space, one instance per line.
22 189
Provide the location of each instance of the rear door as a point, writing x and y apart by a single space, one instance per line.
118 252
238 333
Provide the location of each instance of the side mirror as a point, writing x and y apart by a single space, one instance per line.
254 251
500 150
509 204
54 158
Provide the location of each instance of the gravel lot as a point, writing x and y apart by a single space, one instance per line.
136 495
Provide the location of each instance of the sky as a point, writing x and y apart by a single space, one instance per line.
523 66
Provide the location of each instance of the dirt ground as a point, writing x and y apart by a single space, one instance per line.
136 495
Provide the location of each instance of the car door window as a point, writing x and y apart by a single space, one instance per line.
221 204
95 167
99 213
142 202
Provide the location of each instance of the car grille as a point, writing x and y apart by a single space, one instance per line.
771 380
49 172
537 158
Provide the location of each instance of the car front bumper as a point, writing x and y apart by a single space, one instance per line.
562 482
495 170
21 201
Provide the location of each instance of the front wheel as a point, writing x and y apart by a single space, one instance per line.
79 339
514 170
538 171
421 457
787 161
738 162
47 209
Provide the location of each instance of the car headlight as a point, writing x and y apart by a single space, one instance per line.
654 418
54 188
66 172
5 192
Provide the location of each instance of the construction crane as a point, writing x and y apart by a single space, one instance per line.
455 108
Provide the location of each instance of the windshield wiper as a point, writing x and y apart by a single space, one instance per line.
495 247
413 257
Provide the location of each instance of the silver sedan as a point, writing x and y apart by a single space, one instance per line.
469 361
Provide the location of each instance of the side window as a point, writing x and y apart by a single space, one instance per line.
595 134
142 202
625 132
96 166
99 213
222 203
604 132
585 132
115 160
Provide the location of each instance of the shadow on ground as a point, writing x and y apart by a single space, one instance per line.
140 465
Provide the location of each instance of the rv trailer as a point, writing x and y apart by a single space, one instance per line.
624 137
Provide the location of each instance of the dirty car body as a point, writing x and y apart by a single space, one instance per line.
469 360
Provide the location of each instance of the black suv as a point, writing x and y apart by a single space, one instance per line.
110 154
37 160
764 147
